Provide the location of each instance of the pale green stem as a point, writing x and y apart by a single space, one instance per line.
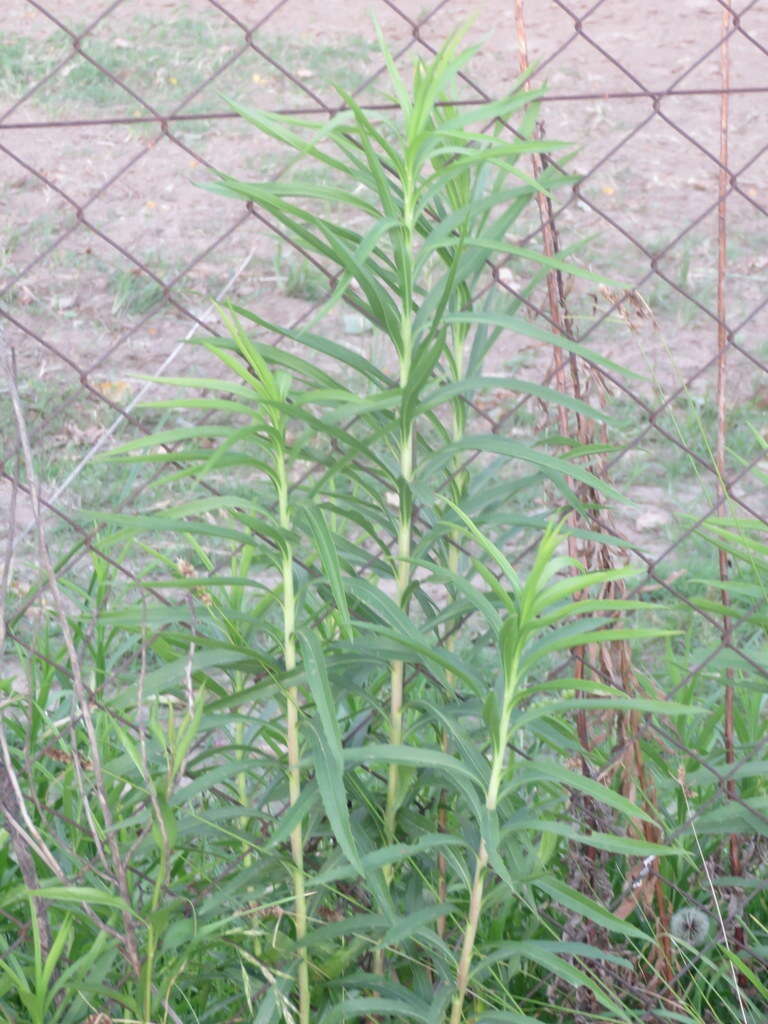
468 946
403 576
476 895
497 763
294 753
242 777
442 818
404 530
397 668
453 568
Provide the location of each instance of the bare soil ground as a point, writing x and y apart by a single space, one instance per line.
86 207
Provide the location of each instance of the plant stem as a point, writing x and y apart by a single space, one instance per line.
397 668
476 895
403 578
442 816
292 738
468 946
457 486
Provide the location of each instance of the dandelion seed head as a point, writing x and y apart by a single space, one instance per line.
690 924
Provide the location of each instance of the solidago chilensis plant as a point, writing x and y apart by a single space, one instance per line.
386 755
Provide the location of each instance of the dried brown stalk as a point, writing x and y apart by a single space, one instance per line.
607 661
561 321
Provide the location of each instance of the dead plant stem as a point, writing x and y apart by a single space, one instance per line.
560 320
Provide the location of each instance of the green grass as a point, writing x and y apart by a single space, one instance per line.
297 278
165 61
20 242
135 292
39 395
692 420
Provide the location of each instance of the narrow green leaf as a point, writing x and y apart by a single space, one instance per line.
518 450
329 760
519 325
417 756
364 1007
82 894
329 558
549 771
531 947
568 897
407 927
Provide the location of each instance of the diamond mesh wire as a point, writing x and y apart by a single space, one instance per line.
111 116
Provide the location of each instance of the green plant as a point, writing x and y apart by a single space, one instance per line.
437 205
134 292
333 708
171 57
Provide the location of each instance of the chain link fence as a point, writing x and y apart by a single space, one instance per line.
112 116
